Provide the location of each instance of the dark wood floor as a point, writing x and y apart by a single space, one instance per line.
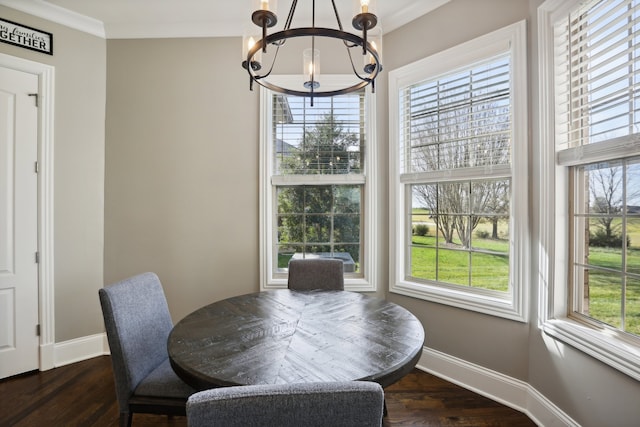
83 394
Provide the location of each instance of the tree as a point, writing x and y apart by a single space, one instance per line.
320 218
427 195
497 202
469 135
605 187
325 149
607 190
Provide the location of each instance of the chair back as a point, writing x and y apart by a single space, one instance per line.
316 273
138 323
338 404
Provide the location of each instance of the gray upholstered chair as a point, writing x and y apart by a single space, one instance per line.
349 403
316 273
137 321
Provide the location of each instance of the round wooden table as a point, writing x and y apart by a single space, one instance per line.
285 336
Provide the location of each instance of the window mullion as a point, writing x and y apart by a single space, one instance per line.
623 297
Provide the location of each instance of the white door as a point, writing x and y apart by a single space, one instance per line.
18 222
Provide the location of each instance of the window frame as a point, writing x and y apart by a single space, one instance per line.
513 305
554 290
269 279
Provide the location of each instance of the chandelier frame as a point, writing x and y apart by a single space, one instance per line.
363 22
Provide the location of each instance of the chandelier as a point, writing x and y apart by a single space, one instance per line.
365 46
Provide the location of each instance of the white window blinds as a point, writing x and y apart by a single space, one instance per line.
461 120
326 139
597 77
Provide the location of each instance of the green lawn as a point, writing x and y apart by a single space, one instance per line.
489 263
283 260
605 289
421 215
491 270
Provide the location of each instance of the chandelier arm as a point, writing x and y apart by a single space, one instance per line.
335 11
367 80
287 24
353 67
319 32
273 63
264 36
364 38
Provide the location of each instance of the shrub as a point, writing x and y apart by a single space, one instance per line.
601 240
421 230
482 234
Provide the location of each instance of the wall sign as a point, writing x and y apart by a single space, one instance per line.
27 37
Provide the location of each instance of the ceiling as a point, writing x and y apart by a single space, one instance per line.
202 18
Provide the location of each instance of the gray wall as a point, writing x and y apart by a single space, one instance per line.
79 134
181 195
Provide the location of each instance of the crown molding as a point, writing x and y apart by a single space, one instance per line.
140 30
407 14
59 15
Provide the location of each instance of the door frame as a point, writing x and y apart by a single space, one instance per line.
46 288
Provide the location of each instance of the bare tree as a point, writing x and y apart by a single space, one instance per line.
497 203
464 136
605 186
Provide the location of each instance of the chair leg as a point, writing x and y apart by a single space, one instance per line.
125 419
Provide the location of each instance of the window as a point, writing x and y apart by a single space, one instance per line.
590 65
459 212
317 184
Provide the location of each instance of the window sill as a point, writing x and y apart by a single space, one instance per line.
474 301
355 285
600 344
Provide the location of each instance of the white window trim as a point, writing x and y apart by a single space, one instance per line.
268 280
553 249
515 305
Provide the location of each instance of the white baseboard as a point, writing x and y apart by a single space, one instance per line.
509 391
80 349
47 359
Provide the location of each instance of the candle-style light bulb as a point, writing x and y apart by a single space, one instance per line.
370 62
249 42
311 68
264 4
371 58
364 5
